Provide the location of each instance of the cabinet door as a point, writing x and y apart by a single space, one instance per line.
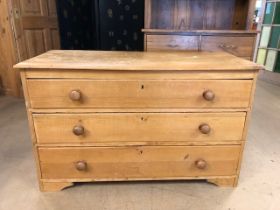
36 27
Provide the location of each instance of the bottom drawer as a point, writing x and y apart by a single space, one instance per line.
143 162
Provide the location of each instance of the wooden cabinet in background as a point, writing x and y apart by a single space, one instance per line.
196 25
169 41
238 43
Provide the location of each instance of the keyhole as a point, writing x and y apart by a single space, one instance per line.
142 87
144 119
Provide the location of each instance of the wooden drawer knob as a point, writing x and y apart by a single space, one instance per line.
208 95
78 130
201 164
75 95
81 165
204 128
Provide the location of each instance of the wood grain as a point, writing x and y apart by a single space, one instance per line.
137 179
139 124
136 75
172 42
141 127
31 127
224 182
27 28
239 46
164 31
10 79
197 14
242 14
235 43
54 186
34 24
145 61
139 94
142 162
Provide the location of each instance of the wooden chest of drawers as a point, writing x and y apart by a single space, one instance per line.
97 116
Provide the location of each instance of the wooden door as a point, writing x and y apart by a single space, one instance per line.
35 27
9 79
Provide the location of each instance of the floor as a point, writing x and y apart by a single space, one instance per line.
258 189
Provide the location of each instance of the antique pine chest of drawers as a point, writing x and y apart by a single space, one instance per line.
98 116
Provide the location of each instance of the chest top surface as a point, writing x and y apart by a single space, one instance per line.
143 61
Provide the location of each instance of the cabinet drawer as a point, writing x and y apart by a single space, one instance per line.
138 127
171 42
139 94
146 162
238 46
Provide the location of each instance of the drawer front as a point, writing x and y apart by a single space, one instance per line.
238 46
171 42
139 94
147 162
138 127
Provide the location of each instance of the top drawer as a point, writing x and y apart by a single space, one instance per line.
242 46
172 42
66 93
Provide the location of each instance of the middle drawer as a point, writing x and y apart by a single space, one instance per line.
138 127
